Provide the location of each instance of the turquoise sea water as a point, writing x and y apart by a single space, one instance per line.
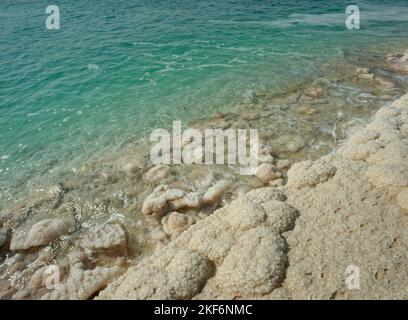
117 69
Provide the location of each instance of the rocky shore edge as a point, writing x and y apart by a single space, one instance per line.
345 211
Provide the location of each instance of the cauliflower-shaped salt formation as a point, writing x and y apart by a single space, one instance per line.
238 251
164 199
309 174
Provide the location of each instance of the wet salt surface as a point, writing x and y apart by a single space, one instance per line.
304 122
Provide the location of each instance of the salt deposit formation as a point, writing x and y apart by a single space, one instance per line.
330 193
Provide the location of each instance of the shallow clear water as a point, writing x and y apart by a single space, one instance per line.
117 69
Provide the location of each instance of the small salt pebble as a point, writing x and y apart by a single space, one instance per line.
283 164
267 172
175 223
157 174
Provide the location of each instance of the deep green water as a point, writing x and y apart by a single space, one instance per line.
117 69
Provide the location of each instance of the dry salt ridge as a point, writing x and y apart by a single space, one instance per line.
289 232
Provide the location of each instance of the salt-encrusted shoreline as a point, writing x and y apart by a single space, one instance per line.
212 236
346 209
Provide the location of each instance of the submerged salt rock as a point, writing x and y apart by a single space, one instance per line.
218 115
189 200
214 194
131 168
156 174
267 172
306 110
39 278
289 143
249 95
363 70
402 199
23 266
4 217
384 83
366 76
398 62
81 283
159 200
106 238
55 194
3 236
175 223
42 274
283 164
40 234
131 165
250 115
309 174
314 91
265 153
165 199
